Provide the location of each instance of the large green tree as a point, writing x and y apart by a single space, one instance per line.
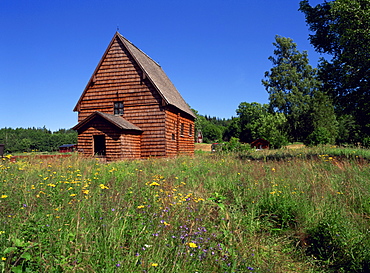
294 90
248 114
341 29
255 121
271 127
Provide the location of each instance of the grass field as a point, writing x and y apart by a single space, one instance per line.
300 210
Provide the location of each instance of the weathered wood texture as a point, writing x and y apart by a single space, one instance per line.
179 142
118 78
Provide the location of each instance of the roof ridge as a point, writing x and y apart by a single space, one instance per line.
138 49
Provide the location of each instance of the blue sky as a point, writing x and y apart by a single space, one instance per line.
215 52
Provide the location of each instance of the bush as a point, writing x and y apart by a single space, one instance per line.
320 136
234 145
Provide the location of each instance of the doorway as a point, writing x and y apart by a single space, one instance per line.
99 145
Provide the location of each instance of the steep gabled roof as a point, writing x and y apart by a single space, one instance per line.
118 121
154 73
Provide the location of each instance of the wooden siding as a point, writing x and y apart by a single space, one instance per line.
130 146
177 143
119 144
120 79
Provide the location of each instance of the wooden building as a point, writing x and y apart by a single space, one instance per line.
260 143
130 108
67 148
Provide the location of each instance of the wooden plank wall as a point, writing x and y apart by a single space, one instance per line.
130 146
183 143
100 127
119 144
119 79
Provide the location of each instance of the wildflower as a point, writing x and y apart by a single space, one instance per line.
73 194
2 232
154 184
4 196
103 187
273 169
154 264
85 191
192 245
140 207
3 258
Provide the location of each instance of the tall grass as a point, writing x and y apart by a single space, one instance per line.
207 213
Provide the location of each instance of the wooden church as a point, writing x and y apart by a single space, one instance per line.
130 108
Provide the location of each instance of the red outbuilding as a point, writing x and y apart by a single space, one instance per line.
260 143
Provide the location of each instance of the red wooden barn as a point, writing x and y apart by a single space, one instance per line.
67 148
260 143
131 109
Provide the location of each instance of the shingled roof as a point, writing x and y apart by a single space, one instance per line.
118 121
156 76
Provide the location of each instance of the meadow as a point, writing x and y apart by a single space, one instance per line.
303 210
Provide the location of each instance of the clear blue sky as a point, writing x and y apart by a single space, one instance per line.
215 52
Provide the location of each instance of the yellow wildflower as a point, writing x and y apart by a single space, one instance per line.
4 196
3 258
140 207
154 264
192 245
154 184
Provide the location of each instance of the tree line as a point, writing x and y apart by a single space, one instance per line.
329 104
35 139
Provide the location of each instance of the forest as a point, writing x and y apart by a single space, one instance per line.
35 139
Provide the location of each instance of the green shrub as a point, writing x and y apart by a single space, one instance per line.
320 136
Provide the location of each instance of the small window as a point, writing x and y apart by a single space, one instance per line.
182 129
118 108
190 129
173 136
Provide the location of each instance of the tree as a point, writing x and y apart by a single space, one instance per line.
292 84
248 114
271 127
323 117
232 130
341 29
212 133
210 127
